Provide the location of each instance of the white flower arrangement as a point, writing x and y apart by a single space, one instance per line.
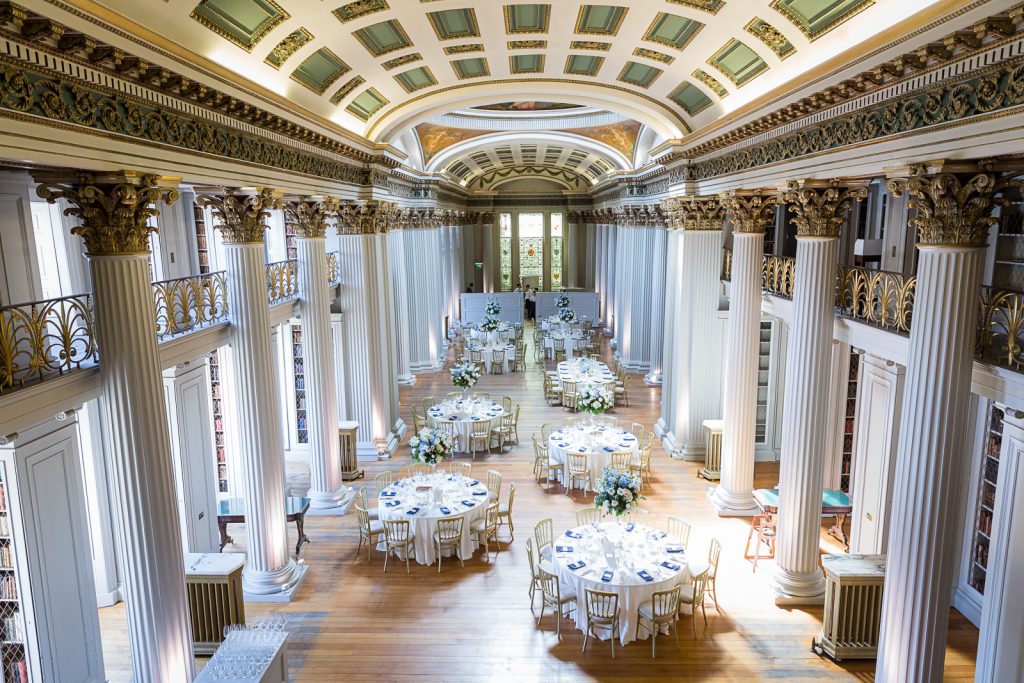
617 492
493 308
431 446
594 401
490 324
562 301
465 375
567 315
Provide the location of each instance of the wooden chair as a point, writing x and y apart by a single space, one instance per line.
588 516
556 596
661 610
621 392
545 433
679 531
505 512
463 468
558 344
448 535
620 460
364 499
487 528
448 427
642 470
454 394
544 535
714 554
506 404
542 464
569 392
476 356
383 480
579 470
369 531
695 599
427 403
417 469
480 437
552 391
637 430
493 484
515 424
602 611
483 395
497 363
399 537
520 362
503 432
417 421
534 572
637 515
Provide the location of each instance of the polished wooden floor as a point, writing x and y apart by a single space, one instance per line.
350 622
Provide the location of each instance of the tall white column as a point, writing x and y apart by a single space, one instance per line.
611 279
750 217
399 276
656 294
115 209
953 224
327 490
820 214
697 357
270 572
669 333
633 324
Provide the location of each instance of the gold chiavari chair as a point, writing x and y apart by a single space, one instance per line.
552 392
621 392
695 598
463 468
661 610
448 427
484 395
538 347
556 596
559 346
544 535
515 424
505 512
383 480
369 530
417 469
602 611
487 528
427 403
503 431
506 404
637 515
579 470
417 423
543 465
679 531
534 572
637 430
497 363
545 433
569 392
480 437
714 554
448 535
620 460
364 499
476 356
588 516
643 468
400 541
520 360
493 484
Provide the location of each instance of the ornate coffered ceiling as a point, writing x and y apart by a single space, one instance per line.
379 67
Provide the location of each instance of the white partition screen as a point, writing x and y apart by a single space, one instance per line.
584 303
473 306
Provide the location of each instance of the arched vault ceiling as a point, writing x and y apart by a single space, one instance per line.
377 67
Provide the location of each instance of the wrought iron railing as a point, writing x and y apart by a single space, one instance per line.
189 303
727 265
876 297
43 339
333 268
1000 339
778 274
282 281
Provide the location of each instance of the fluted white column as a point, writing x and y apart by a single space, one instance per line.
656 294
672 286
611 279
327 490
399 275
633 327
922 551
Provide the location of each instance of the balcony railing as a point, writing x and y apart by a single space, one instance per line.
727 264
778 274
876 297
189 303
44 339
333 268
282 281
1001 328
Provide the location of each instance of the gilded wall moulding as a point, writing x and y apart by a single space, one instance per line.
310 216
750 212
114 208
821 207
240 216
369 218
694 213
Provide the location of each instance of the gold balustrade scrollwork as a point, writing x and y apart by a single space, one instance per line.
189 303
333 268
1000 338
43 339
727 265
876 297
282 281
778 274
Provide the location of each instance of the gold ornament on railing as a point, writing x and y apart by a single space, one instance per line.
114 208
240 216
821 206
1000 338
282 281
189 303
370 218
750 212
727 265
44 339
333 268
876 297
778 274
310 215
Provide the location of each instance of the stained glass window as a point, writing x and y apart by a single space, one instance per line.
556 252
531 246
505 247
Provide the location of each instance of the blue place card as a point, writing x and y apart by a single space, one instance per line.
412 511
445 510
563 548
574 534
644 575
468 503
475 482
393 504
575 566
479 493
670 565
674 549
388 494
609 449
608 575
630 526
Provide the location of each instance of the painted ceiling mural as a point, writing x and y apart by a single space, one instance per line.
435 138
526 106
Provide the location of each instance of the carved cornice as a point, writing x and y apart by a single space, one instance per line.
369 218
695 213
310 215
241 216
821 206
115 208
750 212
647 215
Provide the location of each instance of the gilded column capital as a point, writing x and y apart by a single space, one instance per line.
698 213
369 218
821 206
310 214
241 215
115 208
751 212
953 209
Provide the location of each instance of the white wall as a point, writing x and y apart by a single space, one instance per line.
584 303
474 306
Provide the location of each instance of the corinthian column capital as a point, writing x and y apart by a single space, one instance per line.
310 214
751 212
695 213
368 218
821 205
241 214
115 208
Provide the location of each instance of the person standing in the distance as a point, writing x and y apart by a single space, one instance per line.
531 302
469 289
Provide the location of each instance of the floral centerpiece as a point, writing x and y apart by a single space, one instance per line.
465 375
489 324
562 301
567 315
493 308
431 446
594 401
617 492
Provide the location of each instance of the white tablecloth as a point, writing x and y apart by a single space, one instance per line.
463 497
488 353
571 342
597 444
464 414
504 331
641 549
584 371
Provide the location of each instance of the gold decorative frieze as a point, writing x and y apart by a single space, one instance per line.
115 208
702 213
310 215
402 61
369 218
596 45
240 216
347 88
750 212
463 49
527 44
710 81
287 47
359 8
821 207
653 54
770 36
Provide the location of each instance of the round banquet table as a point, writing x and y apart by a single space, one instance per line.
464 413
571 340
504 331
634 548
584 372
460 496
488 353
596 442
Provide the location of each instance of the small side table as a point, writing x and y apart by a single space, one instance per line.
214 583
853 607
232 511
712 470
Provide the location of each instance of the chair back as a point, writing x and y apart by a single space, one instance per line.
545 432
494 482
454 394
700 585
515 418
559 343
363 515
506 403
638 515
588 516
645 458
476 356
481 429
364 497
569 389
544 534
665 604
533 561
497 357
549 586
609 387
511 496
396 530
485 395
602 606
383 480
714 553
507 420
463 468
491 521
620 460
679 530
416 424
427 402
578 463
449 529
637 430
448 427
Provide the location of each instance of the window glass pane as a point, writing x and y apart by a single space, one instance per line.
531 225
505 249
556 225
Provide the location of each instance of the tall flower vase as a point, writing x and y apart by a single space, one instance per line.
465 394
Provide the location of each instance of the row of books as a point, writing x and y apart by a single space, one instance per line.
8 587
13 631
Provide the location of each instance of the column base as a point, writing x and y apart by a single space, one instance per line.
730 505
278 586
377 450
799 588
653 378
399 429
330 503
668 441
691 453
407 380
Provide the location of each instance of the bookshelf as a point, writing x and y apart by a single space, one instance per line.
764 356
13 660
987 482
299 374
849 422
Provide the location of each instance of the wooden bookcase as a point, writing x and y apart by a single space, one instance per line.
987 482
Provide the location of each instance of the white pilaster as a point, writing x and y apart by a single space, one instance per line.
656 295
399 275
669 334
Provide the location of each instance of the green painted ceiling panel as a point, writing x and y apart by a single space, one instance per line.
454 23
672 30
531 18
738 62
470 68
320 70
586 65
243 22
414 79
366 104
639 74
691 98
600 19
383 37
